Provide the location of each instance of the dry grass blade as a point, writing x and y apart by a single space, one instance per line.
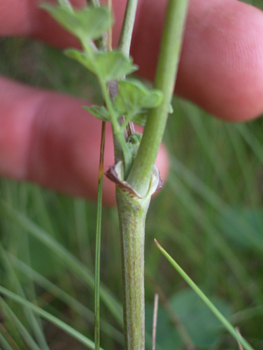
239 345
8 337
155 311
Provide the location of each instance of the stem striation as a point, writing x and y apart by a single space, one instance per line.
132 215
132 210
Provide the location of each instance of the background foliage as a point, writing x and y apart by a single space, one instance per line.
209 216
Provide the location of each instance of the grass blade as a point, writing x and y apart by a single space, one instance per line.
33 321
5 344
251 140
98 240
66 298
4 335
44 314
22 330
61 253
155 310
204 298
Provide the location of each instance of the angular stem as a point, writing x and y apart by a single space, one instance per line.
132 214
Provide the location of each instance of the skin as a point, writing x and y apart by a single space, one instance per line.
46 137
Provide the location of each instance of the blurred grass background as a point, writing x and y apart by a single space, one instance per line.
209 217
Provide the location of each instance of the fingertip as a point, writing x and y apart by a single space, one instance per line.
221 66
162 162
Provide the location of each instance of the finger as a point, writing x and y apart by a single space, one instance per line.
26 18
49 139
221 66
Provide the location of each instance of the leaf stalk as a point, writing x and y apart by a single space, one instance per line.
127 27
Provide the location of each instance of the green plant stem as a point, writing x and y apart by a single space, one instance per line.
127 27
98 240
132 210
140 173
132 214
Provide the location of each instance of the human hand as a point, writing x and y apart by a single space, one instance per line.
48 138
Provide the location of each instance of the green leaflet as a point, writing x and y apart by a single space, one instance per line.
111 65
140 119
65 3
133 95
99 112
134 100
82 58
87 24
171 110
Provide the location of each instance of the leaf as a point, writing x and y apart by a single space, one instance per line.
65 3
200 323
140 119
111 65
134 143
171 110
134 95
134 100
79 56
99 112
87 23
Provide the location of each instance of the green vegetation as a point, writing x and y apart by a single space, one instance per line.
212 225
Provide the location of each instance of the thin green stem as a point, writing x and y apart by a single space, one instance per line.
113 116
116 128
124 46
127 27
98 240
139 176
